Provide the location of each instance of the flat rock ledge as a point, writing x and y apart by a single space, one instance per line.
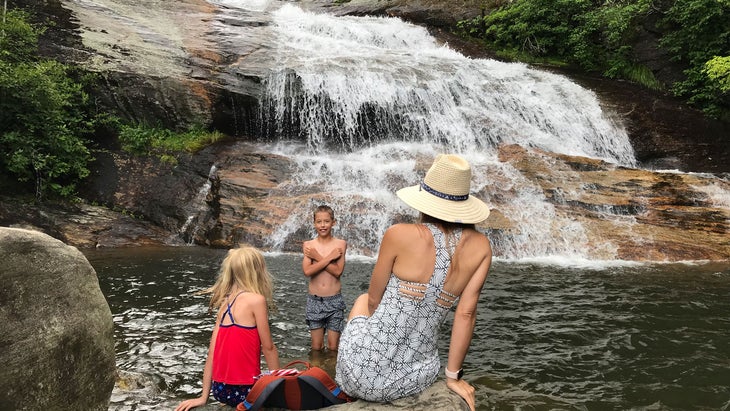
436 397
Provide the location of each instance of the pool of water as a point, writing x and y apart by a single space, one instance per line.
583 337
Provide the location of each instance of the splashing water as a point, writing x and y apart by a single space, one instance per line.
349 82
362 105
197 207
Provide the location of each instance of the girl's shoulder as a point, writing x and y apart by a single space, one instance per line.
246 296
251 295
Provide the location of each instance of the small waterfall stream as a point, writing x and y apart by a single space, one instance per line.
363 104
197 207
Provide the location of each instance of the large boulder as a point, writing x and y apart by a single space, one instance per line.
56 328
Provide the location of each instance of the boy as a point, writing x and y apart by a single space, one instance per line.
323 263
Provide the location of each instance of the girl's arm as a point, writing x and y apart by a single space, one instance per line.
261 315
207 372
383 268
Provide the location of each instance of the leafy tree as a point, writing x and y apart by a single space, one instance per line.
697 31
718 71
599 35
536 27
603 40
43 114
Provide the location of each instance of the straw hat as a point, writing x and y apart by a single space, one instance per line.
444 193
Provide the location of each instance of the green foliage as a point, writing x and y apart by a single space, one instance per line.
582 32
42 115
718 71
143 139
598 35
18 38
696 32
602 40
537 27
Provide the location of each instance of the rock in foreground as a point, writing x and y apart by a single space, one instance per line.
436 397
56 328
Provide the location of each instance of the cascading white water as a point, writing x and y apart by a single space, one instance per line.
348 82
359 102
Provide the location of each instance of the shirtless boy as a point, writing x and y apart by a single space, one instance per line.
323 263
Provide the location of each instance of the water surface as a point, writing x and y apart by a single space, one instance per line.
598 337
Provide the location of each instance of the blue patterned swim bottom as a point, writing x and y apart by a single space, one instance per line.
230 394
325 312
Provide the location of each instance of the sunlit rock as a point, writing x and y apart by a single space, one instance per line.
644 215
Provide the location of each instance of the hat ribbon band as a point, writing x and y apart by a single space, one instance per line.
445 196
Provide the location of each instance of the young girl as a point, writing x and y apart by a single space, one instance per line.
242 293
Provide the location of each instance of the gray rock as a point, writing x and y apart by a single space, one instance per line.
56 328
436 397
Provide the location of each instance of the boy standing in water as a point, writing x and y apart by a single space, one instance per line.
323 264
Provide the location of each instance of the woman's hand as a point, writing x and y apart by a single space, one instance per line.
464 390
191 403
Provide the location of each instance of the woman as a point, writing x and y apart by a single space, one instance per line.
388 349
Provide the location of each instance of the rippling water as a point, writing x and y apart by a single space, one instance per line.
641 337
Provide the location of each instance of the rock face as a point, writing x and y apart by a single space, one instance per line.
178 62
186 62
84 225
56 337
648 216
643 215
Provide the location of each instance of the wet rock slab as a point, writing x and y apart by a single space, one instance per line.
436 397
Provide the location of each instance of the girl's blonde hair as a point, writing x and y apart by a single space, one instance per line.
243 268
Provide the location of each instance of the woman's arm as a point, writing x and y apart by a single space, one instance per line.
463 329
268 348
383 267
207 372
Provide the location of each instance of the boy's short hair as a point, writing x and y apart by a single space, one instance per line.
324 209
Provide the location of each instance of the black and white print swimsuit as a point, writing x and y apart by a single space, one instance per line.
394 352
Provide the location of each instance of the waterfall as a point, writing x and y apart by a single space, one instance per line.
197 208
363 104
348 82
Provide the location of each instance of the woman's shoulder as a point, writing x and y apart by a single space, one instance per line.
475 239
401 230
405 227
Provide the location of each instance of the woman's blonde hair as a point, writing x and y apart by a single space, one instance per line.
243 268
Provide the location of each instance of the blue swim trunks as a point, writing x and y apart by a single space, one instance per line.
326 312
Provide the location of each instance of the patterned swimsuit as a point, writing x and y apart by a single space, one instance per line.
394 352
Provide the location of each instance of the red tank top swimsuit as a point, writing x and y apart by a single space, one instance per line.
237 352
